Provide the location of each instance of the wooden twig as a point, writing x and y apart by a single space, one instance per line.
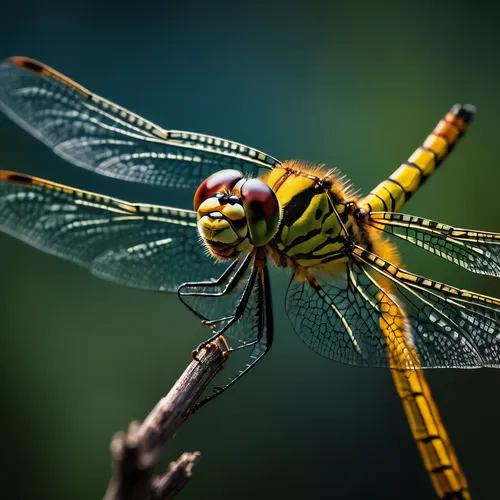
176 476
135 452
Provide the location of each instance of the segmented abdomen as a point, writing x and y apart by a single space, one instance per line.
391 194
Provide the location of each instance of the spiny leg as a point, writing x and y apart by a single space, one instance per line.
229 281
266 332
238 313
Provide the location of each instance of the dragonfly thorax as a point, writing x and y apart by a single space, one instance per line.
235 213
319 221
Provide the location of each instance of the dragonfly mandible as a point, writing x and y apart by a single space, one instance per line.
348 299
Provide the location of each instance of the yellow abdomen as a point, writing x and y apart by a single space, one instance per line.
391 194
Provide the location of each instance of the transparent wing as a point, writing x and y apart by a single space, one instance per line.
144 246
332 315
231 305
476 251
448 327
353 318
96 134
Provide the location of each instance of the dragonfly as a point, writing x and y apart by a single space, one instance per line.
349 298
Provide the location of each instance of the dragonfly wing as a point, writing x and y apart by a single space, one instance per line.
143 246
98 135
448 327
338 317
353 319
476 251
233 305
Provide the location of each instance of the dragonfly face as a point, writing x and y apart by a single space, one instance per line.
235 214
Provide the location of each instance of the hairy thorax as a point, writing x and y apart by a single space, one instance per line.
320 219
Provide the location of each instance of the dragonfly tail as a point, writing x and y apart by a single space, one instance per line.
421 411
428 430
391 194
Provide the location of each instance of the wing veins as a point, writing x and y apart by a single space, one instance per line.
410 288
476 251
67 117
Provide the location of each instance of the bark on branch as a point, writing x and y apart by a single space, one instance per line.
135 452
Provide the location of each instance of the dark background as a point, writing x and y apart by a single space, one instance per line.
354 85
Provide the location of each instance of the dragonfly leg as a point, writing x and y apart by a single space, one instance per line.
244 345
265 335
219 390
229 280
204 344
238 313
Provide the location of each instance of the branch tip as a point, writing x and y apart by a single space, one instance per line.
135 452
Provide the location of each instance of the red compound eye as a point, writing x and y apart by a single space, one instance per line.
223 180
261 209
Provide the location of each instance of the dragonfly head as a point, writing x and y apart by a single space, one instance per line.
235 213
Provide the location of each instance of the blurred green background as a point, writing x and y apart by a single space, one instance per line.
351 84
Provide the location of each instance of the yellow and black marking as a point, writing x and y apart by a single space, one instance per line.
81 197
321 227
132 118
223 226
427 428
225 146
476 251
393 193
434 445
316 222
433 227
425 422
119 114
107 203
425 283
403 220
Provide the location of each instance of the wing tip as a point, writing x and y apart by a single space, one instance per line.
27 63
15 177
43 69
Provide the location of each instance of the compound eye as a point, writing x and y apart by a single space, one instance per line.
221 181
262 211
